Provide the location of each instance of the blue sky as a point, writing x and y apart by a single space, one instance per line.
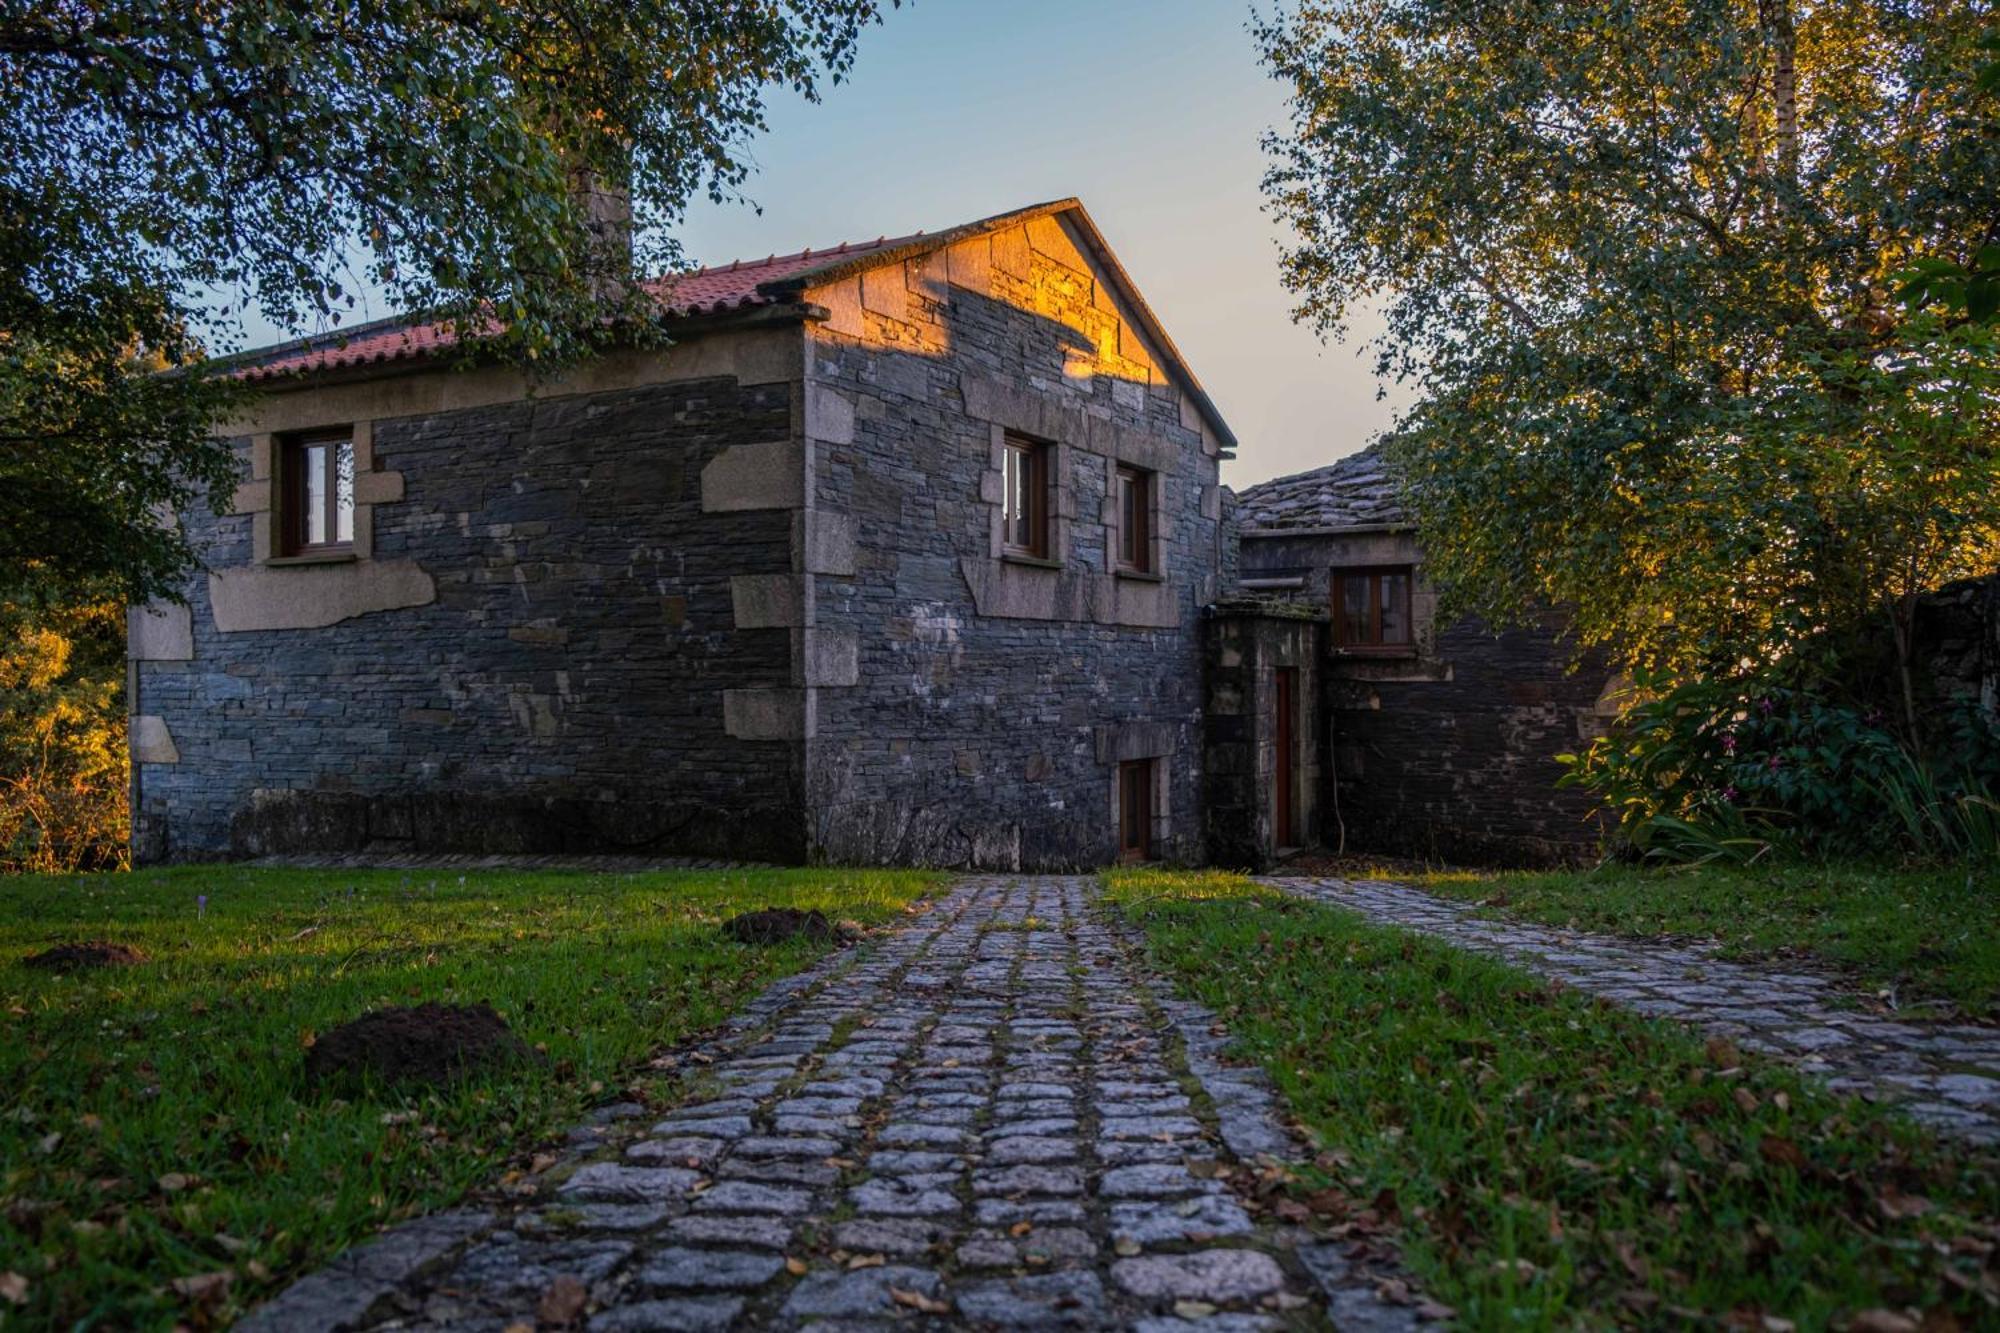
1150 111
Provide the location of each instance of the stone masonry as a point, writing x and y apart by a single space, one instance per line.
560 691
994 696
990 1119
743 596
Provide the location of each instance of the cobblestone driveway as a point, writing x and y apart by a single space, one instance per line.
990 1118
1947 1075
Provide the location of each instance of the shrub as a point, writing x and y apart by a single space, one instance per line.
62 738
1742 768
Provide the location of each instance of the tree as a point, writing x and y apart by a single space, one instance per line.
62 738
1638 258
164 164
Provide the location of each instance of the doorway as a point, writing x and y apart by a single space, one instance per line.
1284 834
1135 810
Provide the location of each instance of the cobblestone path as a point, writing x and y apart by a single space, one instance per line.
1945 1075
991 1117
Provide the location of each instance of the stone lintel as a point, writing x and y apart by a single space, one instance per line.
1120 741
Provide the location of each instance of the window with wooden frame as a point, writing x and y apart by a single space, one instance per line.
1135 520
1371 610
1024 510
316 490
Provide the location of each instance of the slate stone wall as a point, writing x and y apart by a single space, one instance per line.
562 692
993 701
1449 753
1956 642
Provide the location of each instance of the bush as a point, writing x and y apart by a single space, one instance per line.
1744 768
62 738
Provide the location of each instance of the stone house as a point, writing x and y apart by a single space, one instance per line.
1439 740
897 554
907 552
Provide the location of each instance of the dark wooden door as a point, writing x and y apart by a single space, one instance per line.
1135 810
1287 723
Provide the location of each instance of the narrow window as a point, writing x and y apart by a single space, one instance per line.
316 486
1135 810
1371 608
1135 520
1025 503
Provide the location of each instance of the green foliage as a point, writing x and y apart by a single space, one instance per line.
1547 1162
157 1125
62 738
162 168
1739 768
1638 258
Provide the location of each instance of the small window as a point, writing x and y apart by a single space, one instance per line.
1025 504
1135 520
316 481
1371 608
1135 810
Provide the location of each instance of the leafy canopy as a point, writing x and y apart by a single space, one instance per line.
1642 260
162 165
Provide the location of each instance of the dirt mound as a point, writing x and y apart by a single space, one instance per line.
774 924
88 954
427 1043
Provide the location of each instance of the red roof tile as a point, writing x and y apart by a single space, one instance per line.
734 286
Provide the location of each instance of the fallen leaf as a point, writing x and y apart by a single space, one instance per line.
1782 1152
1193 1309
919 1302
1881 1321
173 1182
562 1302
867 1261
13 1288
1020 1228
1722 1053
203 1286
1435 1310
1125 1247
1897 1205
796 1267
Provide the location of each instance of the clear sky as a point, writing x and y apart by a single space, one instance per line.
1150 111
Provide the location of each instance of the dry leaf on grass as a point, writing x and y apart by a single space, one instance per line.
13 1288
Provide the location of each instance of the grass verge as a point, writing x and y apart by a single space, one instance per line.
1552 1162
155 1129
1927 939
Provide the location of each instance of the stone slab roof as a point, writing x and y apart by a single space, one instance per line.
1357 491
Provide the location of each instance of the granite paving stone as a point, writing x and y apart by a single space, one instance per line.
970 1121
1946 1074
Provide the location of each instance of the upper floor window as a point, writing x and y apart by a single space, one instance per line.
1371 608
1135 520
1025 504
316 483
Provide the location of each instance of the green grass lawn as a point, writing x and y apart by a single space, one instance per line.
154 1122
1929 938
1551 1162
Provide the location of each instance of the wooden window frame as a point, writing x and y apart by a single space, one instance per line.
1374 644
1134 549
291 493
1037 457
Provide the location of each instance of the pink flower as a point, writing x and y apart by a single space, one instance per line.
1729 742
1729 795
